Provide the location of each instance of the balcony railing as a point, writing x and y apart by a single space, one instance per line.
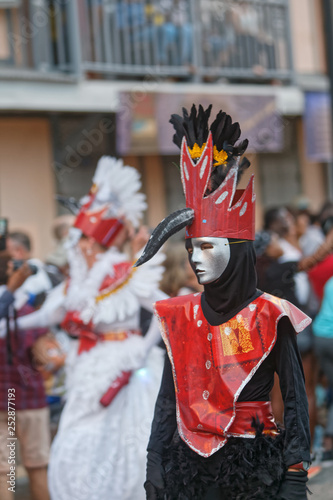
195 39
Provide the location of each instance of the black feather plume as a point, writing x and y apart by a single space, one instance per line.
218 175
194 127
244 164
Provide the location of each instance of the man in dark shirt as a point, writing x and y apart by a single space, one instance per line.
15 280
23 407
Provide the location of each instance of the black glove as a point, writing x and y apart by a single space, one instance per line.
293 486
153 493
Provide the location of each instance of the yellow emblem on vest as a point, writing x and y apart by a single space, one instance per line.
236 336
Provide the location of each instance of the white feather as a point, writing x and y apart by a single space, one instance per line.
118 186
85 285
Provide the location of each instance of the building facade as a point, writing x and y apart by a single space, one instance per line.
79 79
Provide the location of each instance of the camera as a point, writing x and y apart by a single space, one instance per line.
3 233
18 263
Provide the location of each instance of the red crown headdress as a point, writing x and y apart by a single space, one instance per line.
97 223
227 212
210 170
112 200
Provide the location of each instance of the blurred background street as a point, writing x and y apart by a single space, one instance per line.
80 79
321 485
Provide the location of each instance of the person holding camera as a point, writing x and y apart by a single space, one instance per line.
15 280
17 374
34 290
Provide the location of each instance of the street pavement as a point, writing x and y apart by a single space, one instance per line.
321 485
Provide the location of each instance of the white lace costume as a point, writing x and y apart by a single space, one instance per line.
99 453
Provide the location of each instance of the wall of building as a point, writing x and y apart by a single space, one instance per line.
153 185
313 174
307 32
4 44
254 170
27 180
306 20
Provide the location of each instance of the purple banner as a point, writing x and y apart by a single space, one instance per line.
318 126
143 126
136 124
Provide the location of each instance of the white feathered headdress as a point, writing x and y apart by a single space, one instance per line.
113 199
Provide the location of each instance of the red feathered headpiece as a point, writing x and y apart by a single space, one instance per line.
210 169
227 212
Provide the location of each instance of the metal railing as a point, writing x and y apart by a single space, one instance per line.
37 37
197 39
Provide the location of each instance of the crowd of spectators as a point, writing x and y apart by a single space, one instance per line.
25 370
293 240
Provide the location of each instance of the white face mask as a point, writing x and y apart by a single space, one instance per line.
209 258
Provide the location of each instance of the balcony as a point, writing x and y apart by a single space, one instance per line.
191 40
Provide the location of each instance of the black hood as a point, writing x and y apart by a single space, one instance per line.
235 288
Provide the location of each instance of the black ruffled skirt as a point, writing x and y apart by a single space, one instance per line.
244 469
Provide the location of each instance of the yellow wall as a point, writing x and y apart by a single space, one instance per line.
4 44
26 179
307 36
254 170
151 170
155 190
312 174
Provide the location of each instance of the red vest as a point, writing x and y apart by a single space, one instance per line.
212 364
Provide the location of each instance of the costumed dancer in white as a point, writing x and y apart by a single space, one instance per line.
113 372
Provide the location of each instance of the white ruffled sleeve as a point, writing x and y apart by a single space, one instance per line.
51 313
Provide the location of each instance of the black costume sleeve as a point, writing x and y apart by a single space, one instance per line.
296 415
163 428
